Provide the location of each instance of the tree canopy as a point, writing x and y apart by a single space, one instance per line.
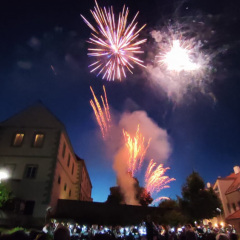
4 194
197 202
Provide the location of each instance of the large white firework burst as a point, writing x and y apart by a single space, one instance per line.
181 64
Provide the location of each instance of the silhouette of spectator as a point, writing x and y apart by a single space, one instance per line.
190 234
19 235
233 236
61 233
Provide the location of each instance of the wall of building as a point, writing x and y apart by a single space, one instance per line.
222 186
86 187
17 159
66 175
233 198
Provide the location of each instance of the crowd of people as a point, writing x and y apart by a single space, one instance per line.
145 231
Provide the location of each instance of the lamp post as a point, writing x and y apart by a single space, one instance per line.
220 211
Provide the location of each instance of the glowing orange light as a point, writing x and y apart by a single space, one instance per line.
137 149
155 180
103 117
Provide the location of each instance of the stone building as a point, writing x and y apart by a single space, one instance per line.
228 190
42 165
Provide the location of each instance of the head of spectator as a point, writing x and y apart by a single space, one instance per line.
61 233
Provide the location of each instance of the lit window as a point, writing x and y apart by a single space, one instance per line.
64 150
18 139
65 187
69 158
31 171
72 168
38 140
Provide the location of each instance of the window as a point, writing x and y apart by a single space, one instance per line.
31 171
229 208
59 179
69 158
234 207
18 139
38 140
64 150
239 204
72 168
65 187
70 193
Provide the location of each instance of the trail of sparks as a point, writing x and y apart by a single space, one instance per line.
103 116
155 180
115 43
159 199
137 149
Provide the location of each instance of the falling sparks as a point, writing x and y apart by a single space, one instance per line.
155 180
137 149
114 43
181 64
159 199
102 115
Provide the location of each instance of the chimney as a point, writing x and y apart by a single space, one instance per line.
236 169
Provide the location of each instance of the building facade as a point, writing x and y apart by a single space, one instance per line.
36 152
228 190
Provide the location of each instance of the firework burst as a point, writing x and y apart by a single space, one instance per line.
102 113
137 148
181 64
155 180
115 43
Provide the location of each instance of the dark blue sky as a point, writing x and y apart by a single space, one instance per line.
204 134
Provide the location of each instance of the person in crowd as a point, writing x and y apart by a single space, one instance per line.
190 234
210 228
61 233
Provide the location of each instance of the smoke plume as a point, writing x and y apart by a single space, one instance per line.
159 149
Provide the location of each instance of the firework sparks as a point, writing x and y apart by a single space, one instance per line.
178 58
155 180
103 116
137 149
115 43
159 199
181 63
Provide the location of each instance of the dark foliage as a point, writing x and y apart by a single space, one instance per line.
197 202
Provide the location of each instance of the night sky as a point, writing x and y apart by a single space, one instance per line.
203 128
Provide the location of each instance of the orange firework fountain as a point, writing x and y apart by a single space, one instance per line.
137 149
103 117
155 180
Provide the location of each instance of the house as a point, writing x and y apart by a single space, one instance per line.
228 190
42 165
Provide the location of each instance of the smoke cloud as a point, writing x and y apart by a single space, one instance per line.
159 149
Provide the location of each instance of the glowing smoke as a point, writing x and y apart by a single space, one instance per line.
159 148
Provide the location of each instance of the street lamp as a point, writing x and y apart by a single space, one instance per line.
3 175
220 211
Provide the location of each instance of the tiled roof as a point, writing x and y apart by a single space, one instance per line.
233 216
236 183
